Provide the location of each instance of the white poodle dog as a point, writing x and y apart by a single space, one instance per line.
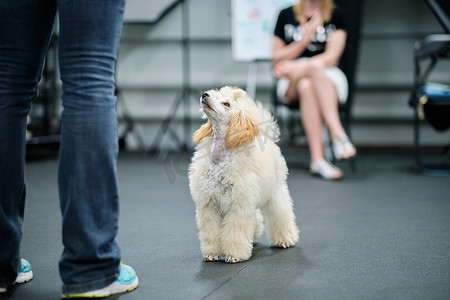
237 169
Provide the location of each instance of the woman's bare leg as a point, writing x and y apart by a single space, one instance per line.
327 98
311 118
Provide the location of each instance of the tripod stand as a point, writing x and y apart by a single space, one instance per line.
168 126
142 12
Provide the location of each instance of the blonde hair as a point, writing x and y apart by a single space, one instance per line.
326 8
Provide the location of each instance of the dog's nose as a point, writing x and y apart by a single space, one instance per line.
205 95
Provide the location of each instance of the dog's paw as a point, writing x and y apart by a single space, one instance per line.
282 245
211 257
232 259
287 239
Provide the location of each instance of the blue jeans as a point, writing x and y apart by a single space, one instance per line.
88 43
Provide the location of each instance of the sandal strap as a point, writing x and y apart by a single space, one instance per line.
343 148
325 169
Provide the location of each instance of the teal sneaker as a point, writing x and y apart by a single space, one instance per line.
126 282
25 274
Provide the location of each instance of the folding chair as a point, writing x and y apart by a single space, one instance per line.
431 101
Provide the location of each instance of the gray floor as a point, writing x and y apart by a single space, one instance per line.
381 233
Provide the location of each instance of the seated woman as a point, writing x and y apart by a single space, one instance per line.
309 41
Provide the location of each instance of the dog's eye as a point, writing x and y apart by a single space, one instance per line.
226 104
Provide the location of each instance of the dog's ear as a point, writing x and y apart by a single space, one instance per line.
241 129
204 131
238 93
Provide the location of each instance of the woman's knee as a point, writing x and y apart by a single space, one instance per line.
304 87
316 70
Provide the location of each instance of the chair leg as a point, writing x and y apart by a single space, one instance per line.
346 118
352 162
417 166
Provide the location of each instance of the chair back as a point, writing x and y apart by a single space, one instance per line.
349 59
441 10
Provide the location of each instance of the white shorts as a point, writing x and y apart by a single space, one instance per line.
334 73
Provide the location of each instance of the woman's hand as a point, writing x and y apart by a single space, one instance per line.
290 68
310 27
282 52
283 68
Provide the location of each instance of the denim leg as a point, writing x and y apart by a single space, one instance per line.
25 28
88 188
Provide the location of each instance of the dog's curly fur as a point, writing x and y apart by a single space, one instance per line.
237 170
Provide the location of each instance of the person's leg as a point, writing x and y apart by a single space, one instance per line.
323 94
301 89
326 91
312 122
25 29
311 118
88 188
327 99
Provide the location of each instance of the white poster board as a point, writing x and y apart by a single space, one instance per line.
252 25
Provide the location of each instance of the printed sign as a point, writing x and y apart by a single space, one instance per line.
253 23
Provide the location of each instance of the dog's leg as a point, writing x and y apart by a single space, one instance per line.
208 222
238 231
259 224
280 219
